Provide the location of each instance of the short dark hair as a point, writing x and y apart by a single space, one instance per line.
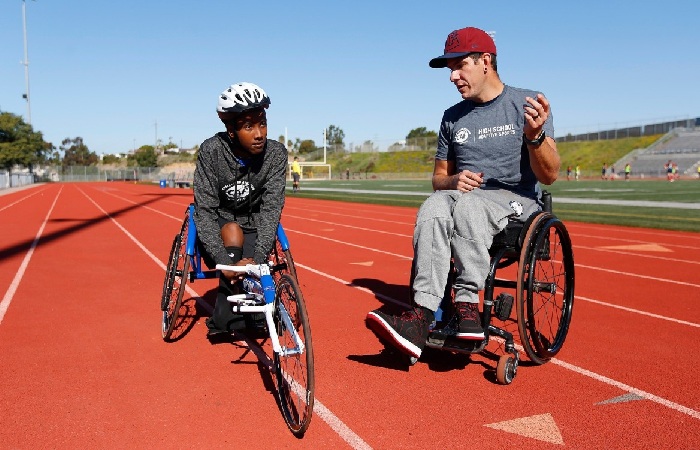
477 56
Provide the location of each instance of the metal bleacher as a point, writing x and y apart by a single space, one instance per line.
680 145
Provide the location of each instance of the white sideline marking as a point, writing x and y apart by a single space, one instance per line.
23 198
308 219
637 311
665 280
321 411
638 255
351 245
576 369
9 295
625 387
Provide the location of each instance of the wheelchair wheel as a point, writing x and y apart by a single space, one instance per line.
506 369
294 366
283 262
175 280
545 288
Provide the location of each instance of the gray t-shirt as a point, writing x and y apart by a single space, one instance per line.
488 137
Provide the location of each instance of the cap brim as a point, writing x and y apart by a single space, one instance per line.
441 61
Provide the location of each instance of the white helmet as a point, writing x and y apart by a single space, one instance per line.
242 97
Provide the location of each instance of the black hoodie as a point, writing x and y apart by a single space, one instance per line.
248 192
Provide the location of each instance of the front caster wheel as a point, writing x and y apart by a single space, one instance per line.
506 369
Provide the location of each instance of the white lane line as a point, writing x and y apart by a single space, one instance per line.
636 254
636 275
23 198
343 431
337 224
347 243
179 219
625 387
9 295
579 370
637 311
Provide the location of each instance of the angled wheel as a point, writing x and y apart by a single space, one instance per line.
545 288
294 365
175 279
282 262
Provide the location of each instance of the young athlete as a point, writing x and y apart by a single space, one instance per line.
239 184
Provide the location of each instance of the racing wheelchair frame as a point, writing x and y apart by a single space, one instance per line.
544 294
271 289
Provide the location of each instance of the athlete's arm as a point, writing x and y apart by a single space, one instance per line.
445 177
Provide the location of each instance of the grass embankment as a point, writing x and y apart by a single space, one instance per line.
589 156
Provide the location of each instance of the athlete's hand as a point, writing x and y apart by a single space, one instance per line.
536 113
235 277
466 180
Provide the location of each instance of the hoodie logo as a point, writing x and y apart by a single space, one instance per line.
241 190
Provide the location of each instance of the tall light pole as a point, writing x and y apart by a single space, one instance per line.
26 61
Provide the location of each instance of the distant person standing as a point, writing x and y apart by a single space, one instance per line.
628 171
604 172
698 171
347 174
577 172
296 174
612 172
568 173
669 170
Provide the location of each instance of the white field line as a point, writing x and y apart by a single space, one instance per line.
601 378
9 295
336 224
22 199
635 275
640 254
653 240
352 216
343 431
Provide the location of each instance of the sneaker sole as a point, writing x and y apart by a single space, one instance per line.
470 336
386 333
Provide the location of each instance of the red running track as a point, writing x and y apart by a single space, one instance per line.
82 363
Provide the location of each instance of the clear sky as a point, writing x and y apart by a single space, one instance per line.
123 73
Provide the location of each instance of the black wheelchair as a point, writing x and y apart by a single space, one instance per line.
543 284
271 289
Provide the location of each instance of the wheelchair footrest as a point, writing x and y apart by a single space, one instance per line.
445 339
245 299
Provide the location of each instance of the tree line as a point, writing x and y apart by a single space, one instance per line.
21 145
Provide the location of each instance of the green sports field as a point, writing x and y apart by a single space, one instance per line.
637 203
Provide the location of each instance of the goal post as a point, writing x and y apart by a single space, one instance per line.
312 171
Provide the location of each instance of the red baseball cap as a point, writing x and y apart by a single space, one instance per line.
460 43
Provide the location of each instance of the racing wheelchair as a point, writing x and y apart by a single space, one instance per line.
543 285
271 289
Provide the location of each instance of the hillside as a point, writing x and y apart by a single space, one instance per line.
589 155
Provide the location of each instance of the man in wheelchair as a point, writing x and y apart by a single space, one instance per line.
494 146
239 184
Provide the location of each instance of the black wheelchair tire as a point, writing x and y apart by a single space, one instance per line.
541 280
294 374
176 275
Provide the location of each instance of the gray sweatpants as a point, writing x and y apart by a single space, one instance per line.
461 224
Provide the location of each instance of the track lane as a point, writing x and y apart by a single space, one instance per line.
356 384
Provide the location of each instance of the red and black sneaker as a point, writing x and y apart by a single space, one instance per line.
407 331
468 321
